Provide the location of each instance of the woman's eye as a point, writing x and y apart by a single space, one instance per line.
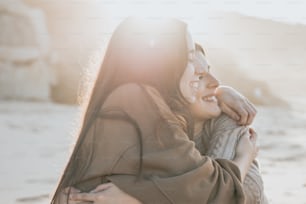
200 77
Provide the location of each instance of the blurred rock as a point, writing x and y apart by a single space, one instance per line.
262 58
77 29
25 58
228 70
242 49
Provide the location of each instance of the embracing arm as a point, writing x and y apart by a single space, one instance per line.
173 171
235 105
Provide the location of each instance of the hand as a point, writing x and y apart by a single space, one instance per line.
104 194
63 196
246 151
235 105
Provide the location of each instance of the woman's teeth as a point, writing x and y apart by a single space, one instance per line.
209 99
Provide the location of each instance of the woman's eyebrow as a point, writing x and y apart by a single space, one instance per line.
203 71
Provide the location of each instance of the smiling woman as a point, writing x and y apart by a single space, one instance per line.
199 86
138 126
216 138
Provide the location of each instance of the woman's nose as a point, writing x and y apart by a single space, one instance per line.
213 82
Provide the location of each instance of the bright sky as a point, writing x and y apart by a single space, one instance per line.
293 11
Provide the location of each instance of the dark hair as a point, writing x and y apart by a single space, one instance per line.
153 54
198 47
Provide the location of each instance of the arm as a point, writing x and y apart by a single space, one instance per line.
235 105
220 138
106 193
173 170
110 193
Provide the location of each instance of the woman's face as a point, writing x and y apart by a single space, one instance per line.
198 86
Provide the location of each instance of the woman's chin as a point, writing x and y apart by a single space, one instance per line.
215 111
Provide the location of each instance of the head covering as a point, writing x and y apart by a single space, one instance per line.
146 51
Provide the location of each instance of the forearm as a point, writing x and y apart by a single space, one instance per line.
253 185
216 181
221 142
243 165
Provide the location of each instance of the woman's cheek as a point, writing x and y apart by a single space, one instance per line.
186 84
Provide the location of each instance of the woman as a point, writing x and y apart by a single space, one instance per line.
139 126
217 139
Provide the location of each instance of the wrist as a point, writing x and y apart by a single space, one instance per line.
243 164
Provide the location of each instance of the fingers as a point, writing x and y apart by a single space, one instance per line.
252 131
243 113
233 104
240 111
82 197
230 112
247 113
102 187
252 106
254 138
253 134
78 198
63 196
250 135
251 112
71 190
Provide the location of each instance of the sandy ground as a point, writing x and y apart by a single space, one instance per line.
36 138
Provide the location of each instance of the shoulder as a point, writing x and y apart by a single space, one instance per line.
133 99
126 90
126 95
